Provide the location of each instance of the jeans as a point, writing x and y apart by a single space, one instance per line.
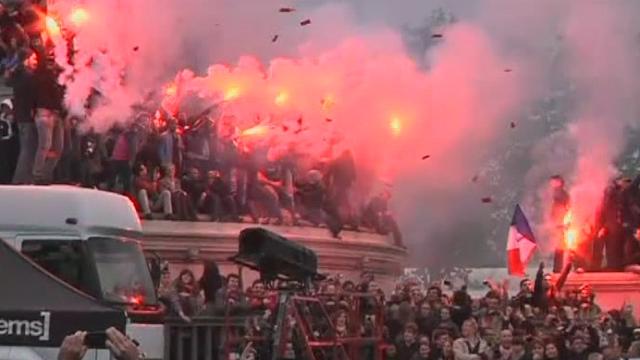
28 136
220 207
50 144
266 198
163 201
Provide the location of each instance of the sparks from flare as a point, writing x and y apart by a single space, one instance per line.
231 94
328 102
395 125
171 90
282 98
79 16
570 232
53 29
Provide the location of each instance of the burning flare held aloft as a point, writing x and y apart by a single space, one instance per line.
53 28
570 232
79 16
396 126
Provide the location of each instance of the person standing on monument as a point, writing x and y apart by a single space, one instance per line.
560 202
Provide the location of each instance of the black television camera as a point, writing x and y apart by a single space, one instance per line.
276 258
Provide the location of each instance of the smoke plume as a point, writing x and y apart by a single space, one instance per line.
474 100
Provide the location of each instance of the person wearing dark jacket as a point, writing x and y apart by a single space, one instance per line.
311 196
194 186
525 295
20 79
317 207
340 177
9 146
377 216
426 319
218 199
560 202
408 346
632 253
230 296
197 149
48 120
612 223
579 349
545 292
210 282
93 156
67 171
424 353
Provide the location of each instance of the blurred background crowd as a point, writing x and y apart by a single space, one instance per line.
416 320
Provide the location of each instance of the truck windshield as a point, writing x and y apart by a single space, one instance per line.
122 271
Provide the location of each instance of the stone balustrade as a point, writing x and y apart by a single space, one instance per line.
612 289
186 244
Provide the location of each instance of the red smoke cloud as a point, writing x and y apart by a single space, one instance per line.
362 93
601 56
367 95
333 86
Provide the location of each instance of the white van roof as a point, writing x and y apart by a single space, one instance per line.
60 206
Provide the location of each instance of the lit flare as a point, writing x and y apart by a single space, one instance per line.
282 98
231 93
396 126
172 90
79 16
570 232
53 29
328 102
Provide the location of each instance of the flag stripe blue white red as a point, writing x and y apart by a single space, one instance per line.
521 243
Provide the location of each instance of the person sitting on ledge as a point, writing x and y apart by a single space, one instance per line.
376 215
148 195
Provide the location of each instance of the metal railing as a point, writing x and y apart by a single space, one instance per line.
204 338
216 337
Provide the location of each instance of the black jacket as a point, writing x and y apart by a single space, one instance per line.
24 94
632 252
543 298
406 352
48 93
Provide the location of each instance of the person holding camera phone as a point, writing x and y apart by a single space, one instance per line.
75 346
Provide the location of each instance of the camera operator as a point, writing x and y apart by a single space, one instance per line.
121 347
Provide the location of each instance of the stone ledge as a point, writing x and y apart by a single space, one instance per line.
355 252
213 229
612 289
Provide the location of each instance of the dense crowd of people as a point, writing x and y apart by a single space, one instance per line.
416 320
177 167
171 165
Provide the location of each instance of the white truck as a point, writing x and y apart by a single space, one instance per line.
88 239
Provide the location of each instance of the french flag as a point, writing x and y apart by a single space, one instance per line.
520 244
